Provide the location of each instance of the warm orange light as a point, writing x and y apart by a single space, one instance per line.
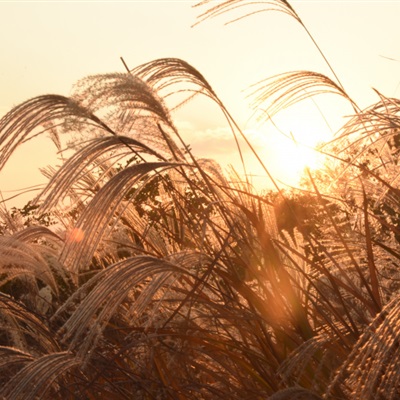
288 146
75 235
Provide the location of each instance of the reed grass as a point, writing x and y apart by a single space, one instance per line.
159 277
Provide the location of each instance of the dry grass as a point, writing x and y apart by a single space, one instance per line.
163 279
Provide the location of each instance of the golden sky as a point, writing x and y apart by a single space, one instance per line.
47 46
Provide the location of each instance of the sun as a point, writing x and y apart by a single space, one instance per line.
292 156
288 149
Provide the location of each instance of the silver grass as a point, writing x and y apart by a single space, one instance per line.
38 376
35 232
21 124
183 285
151 240
10 325
371 369
172 76
22 259
96 217
76 167
124 93
258 6
318 353
131 106
111 288
229 6
366 146
11 356
284 90
25 329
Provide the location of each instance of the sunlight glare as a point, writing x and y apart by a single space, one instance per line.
289 148
75 235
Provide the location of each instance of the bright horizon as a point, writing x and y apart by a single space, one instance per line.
47 47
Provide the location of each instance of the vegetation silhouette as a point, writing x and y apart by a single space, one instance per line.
141 271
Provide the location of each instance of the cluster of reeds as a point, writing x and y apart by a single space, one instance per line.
146 273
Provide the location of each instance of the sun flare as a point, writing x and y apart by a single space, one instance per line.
289 150
75 235
293 156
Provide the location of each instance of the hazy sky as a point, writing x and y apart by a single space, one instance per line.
47 46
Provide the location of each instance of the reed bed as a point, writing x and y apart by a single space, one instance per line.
141 271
